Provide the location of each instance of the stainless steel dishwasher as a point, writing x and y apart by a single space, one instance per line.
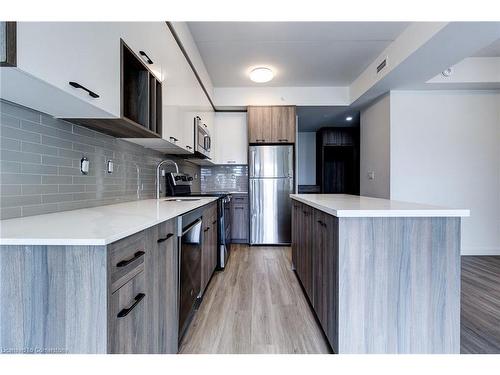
190 267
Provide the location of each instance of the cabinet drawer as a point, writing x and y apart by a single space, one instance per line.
240 198
126 259
127 324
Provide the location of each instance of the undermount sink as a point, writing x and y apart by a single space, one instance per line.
181 199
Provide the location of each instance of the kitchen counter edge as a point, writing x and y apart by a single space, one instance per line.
151 213
344 205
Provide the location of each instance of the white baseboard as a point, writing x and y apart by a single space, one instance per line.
481 251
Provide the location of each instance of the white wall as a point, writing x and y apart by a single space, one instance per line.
445 150
306 158
375 148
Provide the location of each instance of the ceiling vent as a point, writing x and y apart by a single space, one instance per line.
382 65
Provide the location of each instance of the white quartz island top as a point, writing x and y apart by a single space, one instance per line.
94 226
344 205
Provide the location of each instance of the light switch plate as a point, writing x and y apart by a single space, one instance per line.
371 175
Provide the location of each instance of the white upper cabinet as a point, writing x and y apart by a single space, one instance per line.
50 55
231 138
183 97
144 39
74 70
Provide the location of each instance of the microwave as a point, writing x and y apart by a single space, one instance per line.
202 141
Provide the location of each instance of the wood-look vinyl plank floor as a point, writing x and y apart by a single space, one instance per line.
255 306
480 305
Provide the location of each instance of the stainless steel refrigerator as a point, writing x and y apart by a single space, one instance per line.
270 185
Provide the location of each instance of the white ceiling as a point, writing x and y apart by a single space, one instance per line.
493 50
300 53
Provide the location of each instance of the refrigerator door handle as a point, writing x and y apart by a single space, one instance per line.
252 172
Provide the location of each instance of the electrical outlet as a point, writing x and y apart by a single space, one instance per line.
84 165
110 166
371 175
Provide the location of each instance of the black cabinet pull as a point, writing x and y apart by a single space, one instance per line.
146 57
136 256
206 229
165 238
138 298
322 223
76 85
213 222
188 147
173 139
282 140
260 140
239 208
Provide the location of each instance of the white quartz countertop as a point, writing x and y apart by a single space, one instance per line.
343 205
94 226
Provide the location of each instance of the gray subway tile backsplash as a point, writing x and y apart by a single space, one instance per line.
38 148
39 209
40 165
19 112
224 178
10 144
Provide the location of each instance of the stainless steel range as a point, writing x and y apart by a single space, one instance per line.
179 184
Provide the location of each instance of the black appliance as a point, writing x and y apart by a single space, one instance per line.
179 184
190 267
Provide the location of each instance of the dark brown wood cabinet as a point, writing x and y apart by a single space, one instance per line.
162 270
209 245
271 124
302 245
315 260
8 52
127 318
325 274
143 281
283 124
259 124
239 218
337 160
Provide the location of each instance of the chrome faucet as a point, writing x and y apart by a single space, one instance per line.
158 167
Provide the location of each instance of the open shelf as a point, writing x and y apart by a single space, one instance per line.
135 88
141 102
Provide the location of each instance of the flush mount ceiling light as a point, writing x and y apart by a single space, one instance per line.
261 75
348 118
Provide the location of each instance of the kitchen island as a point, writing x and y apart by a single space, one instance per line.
96 280
382 276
